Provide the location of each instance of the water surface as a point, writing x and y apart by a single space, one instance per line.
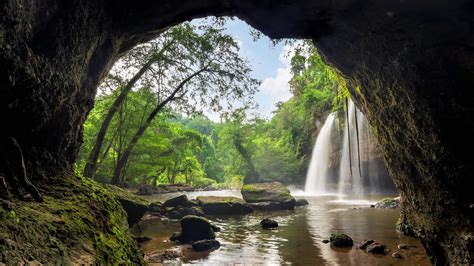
298 239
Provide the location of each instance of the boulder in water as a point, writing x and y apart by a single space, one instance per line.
223 205
301 202
266 192
181 201
388 203
365 243
155 207
272 206
180 212
376 248
268 223
341 240
194 228
207 244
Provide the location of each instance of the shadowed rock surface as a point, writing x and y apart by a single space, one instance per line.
223 205
409 66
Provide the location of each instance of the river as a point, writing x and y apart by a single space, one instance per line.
298 239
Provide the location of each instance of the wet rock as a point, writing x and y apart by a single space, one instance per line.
404 246
268 192
341 240
181 201
142 239
223 205
155 207
365 243
180 212
397 255
301 202
207 244
376 248
388 203
215 228
149 190
325 241
268 223
194 228
272 206
162 256
176 236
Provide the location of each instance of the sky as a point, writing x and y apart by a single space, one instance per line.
268 64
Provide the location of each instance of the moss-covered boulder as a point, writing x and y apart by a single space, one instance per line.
134 206
341 240
212 205
79 222
261 192
388 203
194 228
268 196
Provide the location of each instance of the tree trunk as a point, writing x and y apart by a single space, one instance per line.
91 166
252 176
126 154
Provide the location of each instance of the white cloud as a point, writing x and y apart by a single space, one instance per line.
277 89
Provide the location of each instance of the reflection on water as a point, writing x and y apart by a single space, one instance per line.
298 239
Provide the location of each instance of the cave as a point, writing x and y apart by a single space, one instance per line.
409 66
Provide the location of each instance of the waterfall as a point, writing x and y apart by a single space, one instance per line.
361 168
350 180
317 176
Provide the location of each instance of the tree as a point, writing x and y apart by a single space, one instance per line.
204 70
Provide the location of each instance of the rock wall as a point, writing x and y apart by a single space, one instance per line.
410 66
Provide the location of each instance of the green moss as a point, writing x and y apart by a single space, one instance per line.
388 200
259 192
213 199
78 218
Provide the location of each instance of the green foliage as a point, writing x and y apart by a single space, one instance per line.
177 148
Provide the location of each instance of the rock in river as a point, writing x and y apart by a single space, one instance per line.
194 228
365 243
268 223
341 240
268 196
301 202
181 201
376 248
207 244
223 205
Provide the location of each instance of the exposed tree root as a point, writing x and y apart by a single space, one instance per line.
13 164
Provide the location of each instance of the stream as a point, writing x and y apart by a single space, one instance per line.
298 239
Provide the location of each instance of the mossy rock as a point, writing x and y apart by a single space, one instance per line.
134 206
79 218
213 205
263 192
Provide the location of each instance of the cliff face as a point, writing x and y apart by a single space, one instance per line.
410 65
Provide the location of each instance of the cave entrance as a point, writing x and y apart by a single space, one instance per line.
408 66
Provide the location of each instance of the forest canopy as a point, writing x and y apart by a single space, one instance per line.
152 107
